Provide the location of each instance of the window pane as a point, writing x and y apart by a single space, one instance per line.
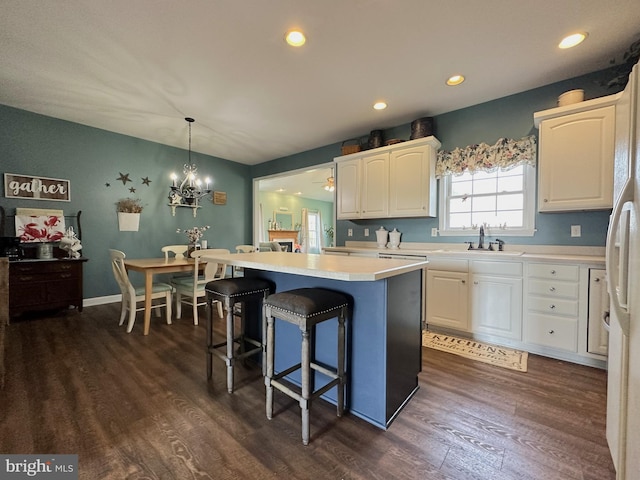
513 219
457 205
460 220
510 184
511 202
484 186
461 188
484 204
514 171
483 175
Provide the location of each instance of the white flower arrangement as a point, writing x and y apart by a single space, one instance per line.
195 233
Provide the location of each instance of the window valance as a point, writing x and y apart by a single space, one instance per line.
504 154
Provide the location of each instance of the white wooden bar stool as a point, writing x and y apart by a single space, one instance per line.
305 307
229 292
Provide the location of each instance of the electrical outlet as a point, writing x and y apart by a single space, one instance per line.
366 232
350 232
576 231
434 232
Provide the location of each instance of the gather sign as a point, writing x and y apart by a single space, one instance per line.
36 188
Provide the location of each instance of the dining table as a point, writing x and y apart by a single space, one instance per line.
154 266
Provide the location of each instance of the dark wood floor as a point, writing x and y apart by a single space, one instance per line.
138 407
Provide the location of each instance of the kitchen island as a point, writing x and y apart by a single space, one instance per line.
383 331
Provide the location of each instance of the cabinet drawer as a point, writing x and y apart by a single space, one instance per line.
511 269
553 271
553 306
555 332
44 268
447 264
554 289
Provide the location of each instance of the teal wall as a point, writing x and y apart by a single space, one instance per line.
89 158
509 117
33 144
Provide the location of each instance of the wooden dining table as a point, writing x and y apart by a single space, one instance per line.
154 266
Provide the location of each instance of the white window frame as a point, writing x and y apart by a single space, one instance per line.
527 230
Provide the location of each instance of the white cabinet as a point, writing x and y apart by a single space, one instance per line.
412 182
552 306
447 299
575 158
597 335
393 181
496 299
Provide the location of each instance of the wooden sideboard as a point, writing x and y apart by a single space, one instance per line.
36 285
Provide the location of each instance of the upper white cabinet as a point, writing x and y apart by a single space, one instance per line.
575 158
393 181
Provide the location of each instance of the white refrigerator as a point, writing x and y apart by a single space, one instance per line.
623 283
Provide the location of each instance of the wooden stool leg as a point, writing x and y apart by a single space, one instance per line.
229 360
270 361
341 385
209 345
264 337
306 385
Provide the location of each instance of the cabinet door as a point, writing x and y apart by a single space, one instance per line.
374 195
496 306
447 299
597 336
348 189
412 183
576 161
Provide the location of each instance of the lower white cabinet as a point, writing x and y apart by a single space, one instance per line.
447 299
553 306
496 299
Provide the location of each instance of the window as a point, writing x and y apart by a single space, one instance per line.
503 201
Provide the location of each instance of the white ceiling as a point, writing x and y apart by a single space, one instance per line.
139 67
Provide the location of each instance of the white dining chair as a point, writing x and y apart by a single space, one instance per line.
178 251
239 271
190 290
131 295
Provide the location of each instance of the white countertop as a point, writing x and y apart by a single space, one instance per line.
563 254
347 268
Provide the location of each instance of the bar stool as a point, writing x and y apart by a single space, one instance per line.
230 292
305 307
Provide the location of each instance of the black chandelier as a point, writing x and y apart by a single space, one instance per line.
191 188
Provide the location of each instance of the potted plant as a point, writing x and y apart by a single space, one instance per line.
129 214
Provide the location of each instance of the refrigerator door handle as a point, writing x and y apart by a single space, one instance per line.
622 313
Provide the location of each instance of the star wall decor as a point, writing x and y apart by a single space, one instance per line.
107 184
132 190
124 178
146 181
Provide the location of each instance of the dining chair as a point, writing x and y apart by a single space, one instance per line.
178 251
131 295
190 290
239 271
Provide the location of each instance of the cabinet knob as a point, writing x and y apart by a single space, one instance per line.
553 272
552 306
464 281
551 332
597 280
552 289
545 200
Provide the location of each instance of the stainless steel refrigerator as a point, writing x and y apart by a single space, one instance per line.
623 283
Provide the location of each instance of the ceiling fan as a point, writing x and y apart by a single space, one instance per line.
330 185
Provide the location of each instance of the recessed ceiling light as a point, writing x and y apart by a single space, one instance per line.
572 40
295 38
379 105
455 80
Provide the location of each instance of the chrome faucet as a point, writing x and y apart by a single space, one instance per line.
481 240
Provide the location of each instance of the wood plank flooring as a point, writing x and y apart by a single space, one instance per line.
136 407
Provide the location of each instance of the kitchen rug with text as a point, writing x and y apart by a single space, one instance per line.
482 352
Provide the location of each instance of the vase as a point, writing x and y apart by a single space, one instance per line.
381 237
192 248
128 222
45 250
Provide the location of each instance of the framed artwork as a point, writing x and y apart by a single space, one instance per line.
39 225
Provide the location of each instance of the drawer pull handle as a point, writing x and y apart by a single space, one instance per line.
552 289
551 332
552 306
553 272
26 279
65 275
65 267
